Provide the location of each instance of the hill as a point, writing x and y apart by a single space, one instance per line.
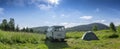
88 27
40 29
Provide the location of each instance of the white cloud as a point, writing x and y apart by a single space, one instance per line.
103 20
86 17
54 1
46 4
44 7
1 10
42 4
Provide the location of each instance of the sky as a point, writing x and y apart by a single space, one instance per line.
69 13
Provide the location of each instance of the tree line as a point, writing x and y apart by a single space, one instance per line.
10 26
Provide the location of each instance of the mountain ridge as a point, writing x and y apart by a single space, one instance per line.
88 27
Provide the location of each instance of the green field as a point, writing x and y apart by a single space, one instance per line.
21 40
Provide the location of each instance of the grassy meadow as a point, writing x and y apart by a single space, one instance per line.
22 40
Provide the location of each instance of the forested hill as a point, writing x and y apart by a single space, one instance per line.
88 27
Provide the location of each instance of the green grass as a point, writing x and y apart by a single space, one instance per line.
21 40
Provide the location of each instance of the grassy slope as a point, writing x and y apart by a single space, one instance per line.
15 40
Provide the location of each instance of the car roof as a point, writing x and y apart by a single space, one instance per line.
57 26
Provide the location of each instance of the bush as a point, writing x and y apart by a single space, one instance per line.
114 36
110 35
118 29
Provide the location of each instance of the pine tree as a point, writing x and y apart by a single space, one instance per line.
112 27
17 28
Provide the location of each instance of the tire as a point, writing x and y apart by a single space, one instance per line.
62 40
51 39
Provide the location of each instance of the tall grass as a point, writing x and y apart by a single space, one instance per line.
104 42
21 40
15 37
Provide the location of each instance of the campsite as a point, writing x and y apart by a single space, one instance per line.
20 40
59 24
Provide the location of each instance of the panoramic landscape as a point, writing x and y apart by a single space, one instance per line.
59 24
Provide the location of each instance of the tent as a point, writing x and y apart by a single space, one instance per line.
89 36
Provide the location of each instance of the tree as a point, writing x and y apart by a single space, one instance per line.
23 29
0 26
112 27
27 29
11 24
17 28
95 28
31 30
118 28
4 25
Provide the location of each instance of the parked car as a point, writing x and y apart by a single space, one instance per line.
56 33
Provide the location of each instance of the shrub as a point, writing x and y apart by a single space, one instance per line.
118 29
114 36
112 27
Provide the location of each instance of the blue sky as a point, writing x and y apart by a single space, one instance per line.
33 13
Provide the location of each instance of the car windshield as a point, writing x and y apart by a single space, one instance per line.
59 28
